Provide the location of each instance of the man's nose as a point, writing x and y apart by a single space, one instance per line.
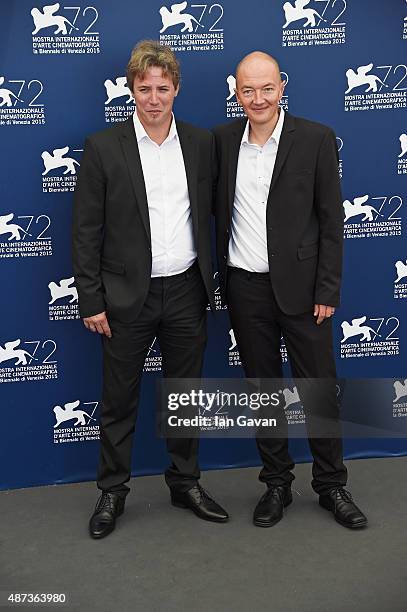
153 97
258 96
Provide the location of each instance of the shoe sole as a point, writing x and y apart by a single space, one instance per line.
95 536
105 533
270 523
204 518
343 523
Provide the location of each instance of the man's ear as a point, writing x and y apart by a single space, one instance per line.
176 91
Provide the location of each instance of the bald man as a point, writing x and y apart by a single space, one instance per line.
279 222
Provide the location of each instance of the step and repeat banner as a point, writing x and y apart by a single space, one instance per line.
62 77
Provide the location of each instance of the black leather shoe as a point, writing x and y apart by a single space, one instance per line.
340 502
271 506
200 502
109 506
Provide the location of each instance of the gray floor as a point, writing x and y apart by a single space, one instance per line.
162 558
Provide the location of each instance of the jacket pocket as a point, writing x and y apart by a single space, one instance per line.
305 252
112 266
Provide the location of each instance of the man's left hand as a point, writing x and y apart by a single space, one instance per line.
322 312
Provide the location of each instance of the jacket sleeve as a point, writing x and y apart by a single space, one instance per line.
87 231
329 209
214 170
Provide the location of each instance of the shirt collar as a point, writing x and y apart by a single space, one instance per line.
276 135
141 132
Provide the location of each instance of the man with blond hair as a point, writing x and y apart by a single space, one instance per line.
142 264
279 220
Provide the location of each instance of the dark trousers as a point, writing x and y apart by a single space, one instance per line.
175 313
259 323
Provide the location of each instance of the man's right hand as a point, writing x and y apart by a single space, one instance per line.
98 323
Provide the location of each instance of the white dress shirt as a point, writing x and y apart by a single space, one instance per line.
172 240
248 240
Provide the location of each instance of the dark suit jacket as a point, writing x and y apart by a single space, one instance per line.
304 212
111 229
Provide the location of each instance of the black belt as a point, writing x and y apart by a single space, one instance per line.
247 273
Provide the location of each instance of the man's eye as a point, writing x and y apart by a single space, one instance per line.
268 90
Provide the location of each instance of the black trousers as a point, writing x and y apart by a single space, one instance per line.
259 323
175 313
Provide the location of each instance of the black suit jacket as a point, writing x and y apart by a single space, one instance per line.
111 229
304 212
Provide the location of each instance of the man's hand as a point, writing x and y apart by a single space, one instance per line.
98 323
323 312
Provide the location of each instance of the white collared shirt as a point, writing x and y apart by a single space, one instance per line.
248 240
172 240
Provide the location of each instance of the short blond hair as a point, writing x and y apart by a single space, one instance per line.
149 53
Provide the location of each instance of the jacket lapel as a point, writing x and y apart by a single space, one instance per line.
286 141
189 147
233 158
132 157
